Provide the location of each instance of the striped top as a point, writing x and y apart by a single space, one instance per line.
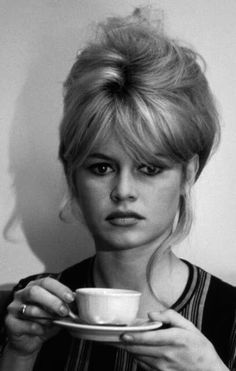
206 301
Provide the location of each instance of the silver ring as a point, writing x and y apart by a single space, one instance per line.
22 309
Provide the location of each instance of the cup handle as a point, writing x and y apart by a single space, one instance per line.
72 315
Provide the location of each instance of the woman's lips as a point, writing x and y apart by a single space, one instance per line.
123 222
124 219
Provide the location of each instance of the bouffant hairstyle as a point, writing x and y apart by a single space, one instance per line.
148 89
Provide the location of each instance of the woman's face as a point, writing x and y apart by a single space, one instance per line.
127 204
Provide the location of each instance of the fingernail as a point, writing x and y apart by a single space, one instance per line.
63 310
69 297
127 338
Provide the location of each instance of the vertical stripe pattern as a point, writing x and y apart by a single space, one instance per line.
92 356
84 355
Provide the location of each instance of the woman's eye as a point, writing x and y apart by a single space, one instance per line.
150 170
101 169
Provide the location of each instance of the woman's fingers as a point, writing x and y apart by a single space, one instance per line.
38 295
155 364
56 288
145 364
175 334
15 308
41 298
147 350
176 347
155 337
19 327
35 313
48 294
172 319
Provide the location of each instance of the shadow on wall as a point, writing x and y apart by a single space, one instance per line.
37 176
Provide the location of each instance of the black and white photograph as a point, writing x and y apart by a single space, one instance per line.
118 185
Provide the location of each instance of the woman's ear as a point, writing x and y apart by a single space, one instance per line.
191 170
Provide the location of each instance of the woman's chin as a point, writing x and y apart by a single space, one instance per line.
121 242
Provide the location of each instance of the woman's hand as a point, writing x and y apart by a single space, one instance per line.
180 347
44 297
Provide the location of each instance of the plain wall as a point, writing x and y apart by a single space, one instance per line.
39 41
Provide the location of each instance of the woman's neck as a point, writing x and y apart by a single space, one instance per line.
120 270
128 269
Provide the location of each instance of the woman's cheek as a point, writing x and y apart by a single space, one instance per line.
91 198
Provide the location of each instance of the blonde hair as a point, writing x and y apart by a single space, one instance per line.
135 81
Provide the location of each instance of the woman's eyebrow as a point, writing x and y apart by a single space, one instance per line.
160 158
101 156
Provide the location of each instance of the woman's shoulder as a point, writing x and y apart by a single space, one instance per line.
216 289
219 316
220 292
223 289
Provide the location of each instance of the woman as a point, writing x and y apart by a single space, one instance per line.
139 125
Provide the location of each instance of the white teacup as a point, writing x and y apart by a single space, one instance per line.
107 306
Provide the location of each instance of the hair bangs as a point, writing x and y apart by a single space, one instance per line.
144 131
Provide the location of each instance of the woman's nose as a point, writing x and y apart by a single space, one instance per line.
124 188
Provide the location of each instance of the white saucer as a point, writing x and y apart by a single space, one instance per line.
105 333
